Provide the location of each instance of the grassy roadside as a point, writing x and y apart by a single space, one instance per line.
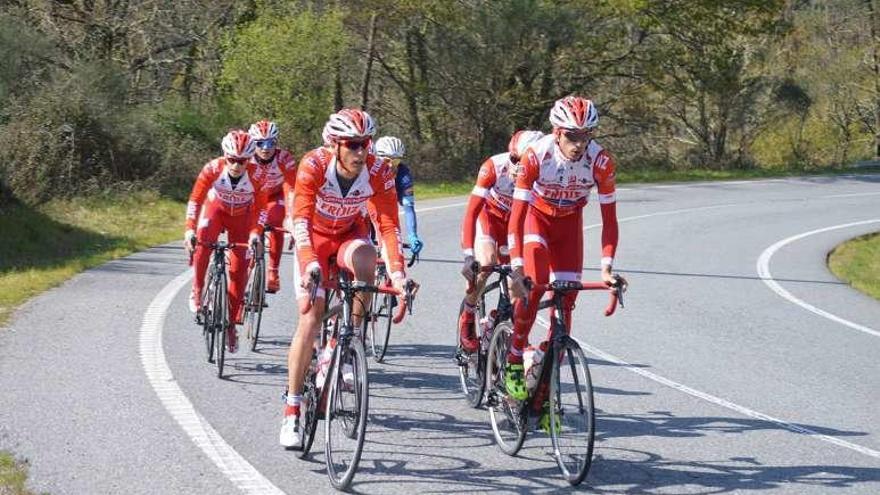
42 247
857 262
13 474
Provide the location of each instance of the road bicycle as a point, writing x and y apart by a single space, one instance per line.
344 393
255 293
472 366
213 314
562 399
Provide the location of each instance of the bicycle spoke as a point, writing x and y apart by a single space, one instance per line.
346 413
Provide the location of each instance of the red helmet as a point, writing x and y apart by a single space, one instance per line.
262 130
574 113
238 145
348 123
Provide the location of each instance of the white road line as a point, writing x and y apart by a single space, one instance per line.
432 208
853 195
664 213
719 401
240 472
763 267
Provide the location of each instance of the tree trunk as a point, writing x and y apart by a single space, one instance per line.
337 89
411 95
875 51
371 50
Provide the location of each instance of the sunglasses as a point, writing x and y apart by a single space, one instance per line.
238 161
266 144
577 137
355 145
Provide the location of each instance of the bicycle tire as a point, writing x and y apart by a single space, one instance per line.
311 396
380 325
207 310
346 422
221 320
509 423
471 366
572 413
255 295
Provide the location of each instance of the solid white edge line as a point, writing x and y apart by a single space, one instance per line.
240 472
719 401
763 267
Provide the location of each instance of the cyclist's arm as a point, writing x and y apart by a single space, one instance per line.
485 180
522 195
603 172
200 189
384 204
259 213
308 182
404 185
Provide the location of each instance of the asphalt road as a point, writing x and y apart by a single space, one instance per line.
740 365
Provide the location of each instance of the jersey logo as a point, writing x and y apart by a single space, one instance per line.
389 184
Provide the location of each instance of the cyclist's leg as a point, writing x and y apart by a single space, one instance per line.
275 218
299 355
357 255
490 231
209 228
237 231
535 257
567 245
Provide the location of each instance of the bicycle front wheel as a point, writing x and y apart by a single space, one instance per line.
345 417
380 325
221 322
255 295
572 414
310 398
471 366
508 416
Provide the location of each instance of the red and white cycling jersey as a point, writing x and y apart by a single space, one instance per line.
318 204
274 174
215 185
557 187
493 193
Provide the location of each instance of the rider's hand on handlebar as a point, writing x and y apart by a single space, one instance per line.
517 283
467 271
189 241
254 241
312 276
415 245
399 283
613 280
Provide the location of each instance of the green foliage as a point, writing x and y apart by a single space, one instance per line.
281 67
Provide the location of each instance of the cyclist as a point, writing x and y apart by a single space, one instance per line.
277 168
393 149
545 230
484 229
334 185
227 195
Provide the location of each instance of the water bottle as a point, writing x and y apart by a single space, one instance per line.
487 325
324 362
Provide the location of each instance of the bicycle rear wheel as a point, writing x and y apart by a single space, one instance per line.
380 324
471 366
221 322
345 419
255 295
508 416
572 414
207 315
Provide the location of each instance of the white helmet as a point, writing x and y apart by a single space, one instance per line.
520 142
238 145
390 147
263 130
348 123
574 113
